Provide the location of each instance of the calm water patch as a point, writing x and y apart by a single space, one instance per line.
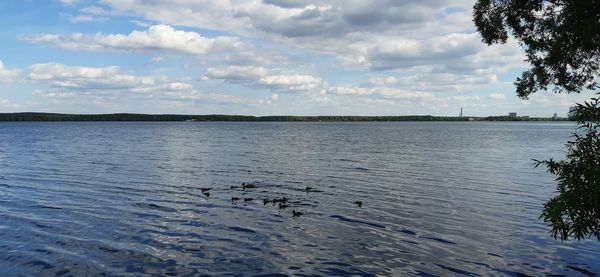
438 199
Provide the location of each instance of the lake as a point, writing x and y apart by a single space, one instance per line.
439 199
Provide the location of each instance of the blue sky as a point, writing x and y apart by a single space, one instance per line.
258 57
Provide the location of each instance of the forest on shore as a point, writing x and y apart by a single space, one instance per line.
216 117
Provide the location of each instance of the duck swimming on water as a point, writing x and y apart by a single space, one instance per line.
205 189
207 194
282 206
296 214
248 186
358 203
235 199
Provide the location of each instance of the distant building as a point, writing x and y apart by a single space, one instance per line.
572 112
512 115
555 116
461 114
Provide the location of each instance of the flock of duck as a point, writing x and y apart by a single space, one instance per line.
281 203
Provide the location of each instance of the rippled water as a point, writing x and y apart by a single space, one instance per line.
124 199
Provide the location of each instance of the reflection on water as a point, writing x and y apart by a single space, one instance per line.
124 199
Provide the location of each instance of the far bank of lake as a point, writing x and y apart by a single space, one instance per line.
245 118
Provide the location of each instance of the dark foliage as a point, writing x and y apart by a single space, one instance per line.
561 39
575 211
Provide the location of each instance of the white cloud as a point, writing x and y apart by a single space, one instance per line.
293 18
7 104
100 81
399 53
261 77
435 35
69 2
296 82
386 92
377 34
158 38
8 75
97 10
54 94
383 81
140 23
402 56
86 18
498 96
110 87
236 74
157 59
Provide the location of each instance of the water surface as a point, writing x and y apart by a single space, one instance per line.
124 199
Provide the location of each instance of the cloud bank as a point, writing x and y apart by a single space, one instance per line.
158 38
8 75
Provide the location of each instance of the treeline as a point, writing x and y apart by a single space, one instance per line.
119 117
361 118
177 117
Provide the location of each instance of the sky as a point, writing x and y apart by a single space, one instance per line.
259 57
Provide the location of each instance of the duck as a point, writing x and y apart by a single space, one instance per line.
205 189
207 194
248 199
248 186
296 214
308 189
358 203
266 201
234 199
282 206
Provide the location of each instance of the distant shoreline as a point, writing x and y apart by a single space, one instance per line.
29 116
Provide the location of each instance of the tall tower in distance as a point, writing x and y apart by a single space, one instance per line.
461 114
